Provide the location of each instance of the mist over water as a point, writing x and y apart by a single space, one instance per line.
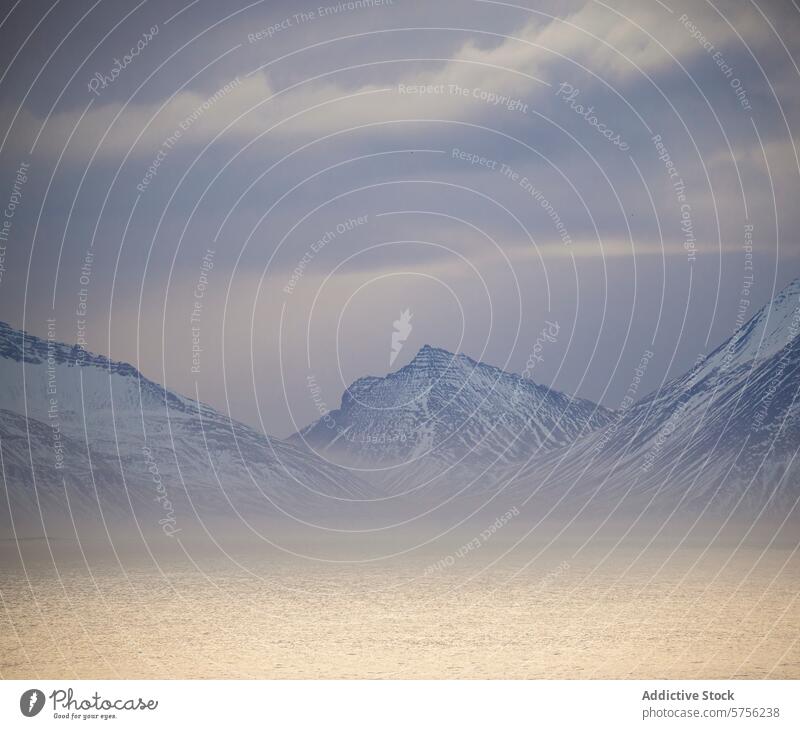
667 611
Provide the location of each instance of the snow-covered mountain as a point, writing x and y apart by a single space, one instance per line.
81 434
719 439
83 437
448 409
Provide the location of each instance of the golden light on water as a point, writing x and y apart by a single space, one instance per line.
655 619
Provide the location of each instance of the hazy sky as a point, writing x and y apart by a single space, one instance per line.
342 165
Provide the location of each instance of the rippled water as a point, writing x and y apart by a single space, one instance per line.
568 618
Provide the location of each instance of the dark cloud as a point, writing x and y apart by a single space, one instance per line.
258 131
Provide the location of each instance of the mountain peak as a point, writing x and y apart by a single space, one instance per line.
450 407
786 301
771 328
428 354
436 362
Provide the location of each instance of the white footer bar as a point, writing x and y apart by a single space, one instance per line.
389 704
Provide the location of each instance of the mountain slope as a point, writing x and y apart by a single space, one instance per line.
720 438
78 430
450 409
